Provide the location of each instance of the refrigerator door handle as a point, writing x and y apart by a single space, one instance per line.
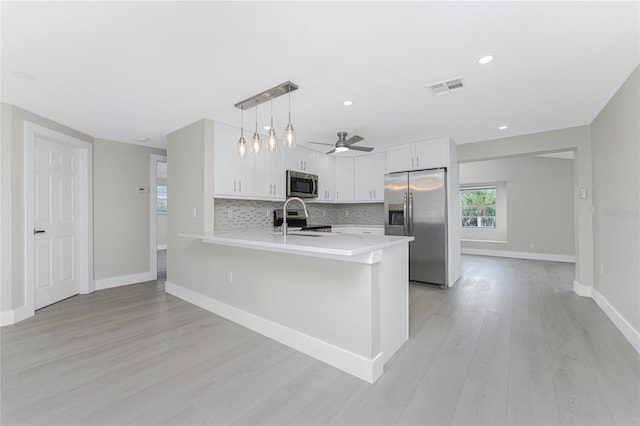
405 216
410 213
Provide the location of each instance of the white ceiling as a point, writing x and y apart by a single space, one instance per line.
124 70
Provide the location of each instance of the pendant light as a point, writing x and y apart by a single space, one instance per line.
256 146
272 142
289 133
242 143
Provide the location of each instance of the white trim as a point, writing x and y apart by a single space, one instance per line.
368 370
14 316
520 255
582 290
85 248
154 159
162 246
627 330
140 277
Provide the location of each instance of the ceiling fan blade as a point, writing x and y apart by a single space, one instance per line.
320 143
331 152
361 148
353 139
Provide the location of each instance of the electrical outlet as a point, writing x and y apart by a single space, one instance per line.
194 213
229 213
532 246
230 276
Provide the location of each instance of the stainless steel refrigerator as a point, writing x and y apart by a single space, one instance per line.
415 204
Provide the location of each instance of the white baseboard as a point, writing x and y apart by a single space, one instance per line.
368 370
582 290
125 280
520 255
162 246
15 315
627 330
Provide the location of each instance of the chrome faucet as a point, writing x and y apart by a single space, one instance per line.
284 219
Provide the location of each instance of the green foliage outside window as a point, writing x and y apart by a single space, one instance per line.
162 199
478 206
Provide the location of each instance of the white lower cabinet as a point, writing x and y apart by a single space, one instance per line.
362 230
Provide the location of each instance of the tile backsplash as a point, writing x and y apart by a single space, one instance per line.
255 214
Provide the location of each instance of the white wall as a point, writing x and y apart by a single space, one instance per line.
121 214
539 205
616 198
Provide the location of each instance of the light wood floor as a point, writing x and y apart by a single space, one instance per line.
510 344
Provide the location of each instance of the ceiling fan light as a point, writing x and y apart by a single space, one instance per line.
342 149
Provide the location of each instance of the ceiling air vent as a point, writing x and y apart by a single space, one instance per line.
449 86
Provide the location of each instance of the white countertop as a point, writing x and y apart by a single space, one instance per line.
348 247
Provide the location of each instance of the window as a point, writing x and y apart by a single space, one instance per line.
162 199
478 205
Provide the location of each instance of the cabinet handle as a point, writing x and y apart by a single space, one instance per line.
274 189
270 189
239 186
337 195
417 161
412 162
374 193
370 194
234 186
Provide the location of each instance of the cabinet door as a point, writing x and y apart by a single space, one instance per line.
401 158
326 177
364 173
379 170
301 160
432 154
269 175
233 174
344 179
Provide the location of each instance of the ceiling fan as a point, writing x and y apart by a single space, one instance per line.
345 144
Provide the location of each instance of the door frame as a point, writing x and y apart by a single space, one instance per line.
84 255
154 159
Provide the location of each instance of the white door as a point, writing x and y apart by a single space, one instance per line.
56 230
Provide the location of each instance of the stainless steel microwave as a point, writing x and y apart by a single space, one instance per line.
303 185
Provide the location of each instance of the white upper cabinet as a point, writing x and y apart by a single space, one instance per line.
369 177
344 179
326 177
233 174
421 155
270 175
301 160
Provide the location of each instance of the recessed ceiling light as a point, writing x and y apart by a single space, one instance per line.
23 75
142 139
485 60
348 103
502 127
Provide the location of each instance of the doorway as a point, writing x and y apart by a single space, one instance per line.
158 216
58 226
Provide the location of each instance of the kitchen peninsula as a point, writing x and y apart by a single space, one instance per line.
340 298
